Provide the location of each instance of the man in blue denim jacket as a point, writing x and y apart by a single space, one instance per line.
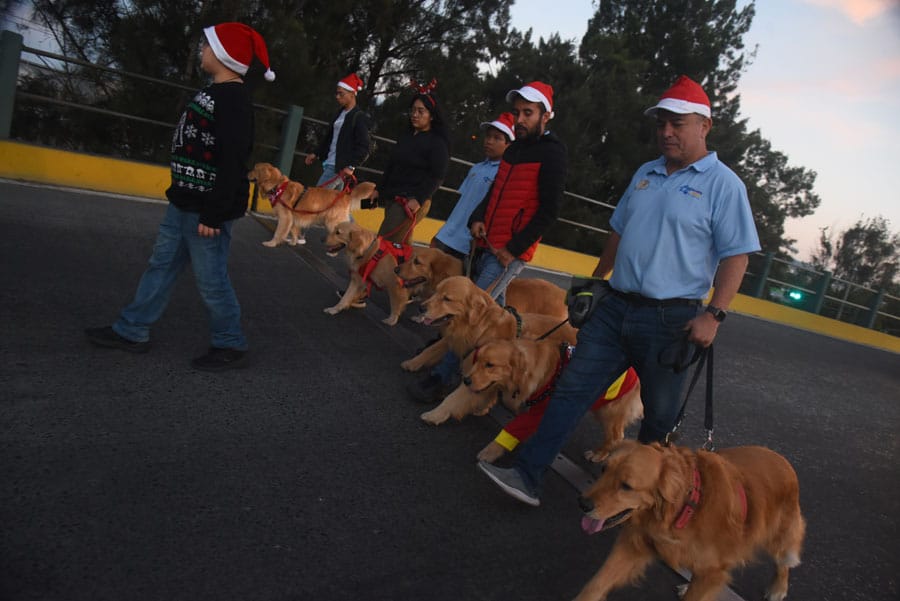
684 221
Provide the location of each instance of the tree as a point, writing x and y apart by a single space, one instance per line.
867 254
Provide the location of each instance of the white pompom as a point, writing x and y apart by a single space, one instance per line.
269 75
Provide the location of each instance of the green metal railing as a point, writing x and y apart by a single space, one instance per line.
768 277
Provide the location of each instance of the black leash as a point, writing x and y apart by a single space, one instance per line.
553 329
706 359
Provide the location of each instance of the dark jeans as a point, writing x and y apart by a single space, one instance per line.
619 334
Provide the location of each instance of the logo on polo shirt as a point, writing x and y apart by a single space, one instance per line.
642 185
691 192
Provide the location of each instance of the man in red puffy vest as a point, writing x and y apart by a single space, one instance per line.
508 224
527 192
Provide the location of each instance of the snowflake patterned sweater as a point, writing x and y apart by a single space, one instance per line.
210 151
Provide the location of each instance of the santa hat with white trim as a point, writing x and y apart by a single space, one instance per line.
351 83
536 91
235 45
684 97
505 123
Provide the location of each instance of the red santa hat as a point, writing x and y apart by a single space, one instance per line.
235 45
536 91
684 97
352 83
506 123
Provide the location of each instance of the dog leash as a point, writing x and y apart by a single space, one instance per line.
553 329
706 359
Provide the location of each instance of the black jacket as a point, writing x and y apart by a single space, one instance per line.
352 143
417 166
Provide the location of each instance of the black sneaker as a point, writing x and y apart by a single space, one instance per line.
428 390
108 338
220 359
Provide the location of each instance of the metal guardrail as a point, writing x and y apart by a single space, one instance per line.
768 277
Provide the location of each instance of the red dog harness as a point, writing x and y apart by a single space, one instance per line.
276 193
400 252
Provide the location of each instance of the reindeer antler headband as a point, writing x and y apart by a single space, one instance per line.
425 90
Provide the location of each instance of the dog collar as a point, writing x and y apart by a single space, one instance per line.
693 500
690 505
514 313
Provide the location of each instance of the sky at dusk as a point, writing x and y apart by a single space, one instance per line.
824 89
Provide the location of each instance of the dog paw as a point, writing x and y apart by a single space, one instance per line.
595 456
491 453
332 310
270 243
390 321
434 417
409 365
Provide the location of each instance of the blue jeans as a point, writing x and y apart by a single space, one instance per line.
487 269
617 335
178 244
327 174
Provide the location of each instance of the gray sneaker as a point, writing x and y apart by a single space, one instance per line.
510 481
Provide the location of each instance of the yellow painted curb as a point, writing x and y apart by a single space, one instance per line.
39 164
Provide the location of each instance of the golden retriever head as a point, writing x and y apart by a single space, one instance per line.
456 297
494 364
351 237
427 268
266 175
645 483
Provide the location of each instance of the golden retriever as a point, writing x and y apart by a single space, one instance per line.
431 266
469 317
698 510
517 370
298 207
362 246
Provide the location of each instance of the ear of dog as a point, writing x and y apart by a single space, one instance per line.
673 483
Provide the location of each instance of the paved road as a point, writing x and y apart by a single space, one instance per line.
310 476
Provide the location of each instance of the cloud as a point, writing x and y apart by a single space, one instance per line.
859 11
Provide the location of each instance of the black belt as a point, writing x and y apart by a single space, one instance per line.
640 300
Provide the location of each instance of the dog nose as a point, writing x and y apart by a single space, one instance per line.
586 504
467 381
323 239
397 270
422 308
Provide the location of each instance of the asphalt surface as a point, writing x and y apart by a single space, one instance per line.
308 475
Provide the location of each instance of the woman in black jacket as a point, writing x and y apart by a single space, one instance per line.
416 168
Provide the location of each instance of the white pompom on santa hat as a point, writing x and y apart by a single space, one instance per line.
235 45
351 83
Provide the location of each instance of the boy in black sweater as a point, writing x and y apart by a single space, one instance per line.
210 152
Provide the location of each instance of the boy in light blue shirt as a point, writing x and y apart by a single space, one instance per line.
454 236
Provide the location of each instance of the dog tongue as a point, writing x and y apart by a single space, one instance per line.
590 525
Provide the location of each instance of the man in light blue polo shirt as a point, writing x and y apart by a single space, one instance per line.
684 221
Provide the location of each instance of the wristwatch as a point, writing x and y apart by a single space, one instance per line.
719 314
